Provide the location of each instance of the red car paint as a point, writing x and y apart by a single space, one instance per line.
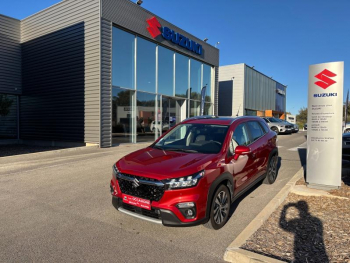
245 169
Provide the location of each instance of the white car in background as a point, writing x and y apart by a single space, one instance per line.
346 128
155 126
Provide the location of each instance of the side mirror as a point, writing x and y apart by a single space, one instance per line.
241 150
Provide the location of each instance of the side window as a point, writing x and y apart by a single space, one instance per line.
255 130
240 135
266 120
265 128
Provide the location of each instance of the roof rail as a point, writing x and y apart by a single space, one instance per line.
202 117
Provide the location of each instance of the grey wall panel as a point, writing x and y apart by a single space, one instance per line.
225 98
8 123
235 73
10 55
127 14
52 101
106 83
63 15
260 91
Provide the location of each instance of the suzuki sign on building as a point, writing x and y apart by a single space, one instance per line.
324 136
155 29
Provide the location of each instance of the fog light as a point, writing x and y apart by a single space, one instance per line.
189 212
187 209
185 205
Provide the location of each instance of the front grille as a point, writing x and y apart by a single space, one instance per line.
347 139
150 189
154 213
288 126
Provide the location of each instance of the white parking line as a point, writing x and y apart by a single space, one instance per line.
301 146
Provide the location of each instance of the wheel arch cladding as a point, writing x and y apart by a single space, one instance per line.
226 179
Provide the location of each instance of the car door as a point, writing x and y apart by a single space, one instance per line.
257 147
243 168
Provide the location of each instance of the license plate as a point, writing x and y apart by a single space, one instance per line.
136 201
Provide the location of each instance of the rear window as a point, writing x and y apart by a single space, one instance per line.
255 130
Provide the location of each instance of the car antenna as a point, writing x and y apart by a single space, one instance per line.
238 110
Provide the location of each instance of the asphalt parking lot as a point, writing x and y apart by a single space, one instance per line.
56 207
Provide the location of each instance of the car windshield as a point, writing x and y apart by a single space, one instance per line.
194 138
274 120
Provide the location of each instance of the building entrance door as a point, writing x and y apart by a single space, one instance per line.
173 112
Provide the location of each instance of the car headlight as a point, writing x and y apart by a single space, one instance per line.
115 171
184 182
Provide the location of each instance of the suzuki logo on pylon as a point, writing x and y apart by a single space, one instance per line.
325 76
154 26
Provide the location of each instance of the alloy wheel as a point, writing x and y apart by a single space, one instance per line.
272 170
221 207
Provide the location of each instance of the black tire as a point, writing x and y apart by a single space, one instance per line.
271 173
275 129
219 209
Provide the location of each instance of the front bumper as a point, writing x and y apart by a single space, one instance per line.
160 216
285 130
165 211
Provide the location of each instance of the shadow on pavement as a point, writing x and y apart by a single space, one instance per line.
302 157
308 234
17 149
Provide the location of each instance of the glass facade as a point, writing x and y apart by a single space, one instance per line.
123 57
195 79
146 65
165 71
181 75
122 115
145 116
280 98
154 88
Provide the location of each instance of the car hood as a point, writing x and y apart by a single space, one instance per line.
159 164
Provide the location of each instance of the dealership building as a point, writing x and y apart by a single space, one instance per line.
245 91
100 72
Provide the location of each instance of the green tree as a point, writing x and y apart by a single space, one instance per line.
5 104
348 116
302 117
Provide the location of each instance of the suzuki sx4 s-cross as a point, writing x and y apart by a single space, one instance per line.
193 173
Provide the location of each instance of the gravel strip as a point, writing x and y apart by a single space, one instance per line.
344 190
305 229
16 149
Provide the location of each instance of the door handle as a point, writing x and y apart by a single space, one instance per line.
253 155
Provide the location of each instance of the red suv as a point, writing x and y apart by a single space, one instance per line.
193 173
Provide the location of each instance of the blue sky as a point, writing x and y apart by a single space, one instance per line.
280 38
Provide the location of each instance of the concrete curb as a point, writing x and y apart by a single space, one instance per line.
233 252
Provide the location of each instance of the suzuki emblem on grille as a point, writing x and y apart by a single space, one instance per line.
135 183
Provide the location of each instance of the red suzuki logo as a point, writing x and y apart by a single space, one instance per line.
325 76
153 27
